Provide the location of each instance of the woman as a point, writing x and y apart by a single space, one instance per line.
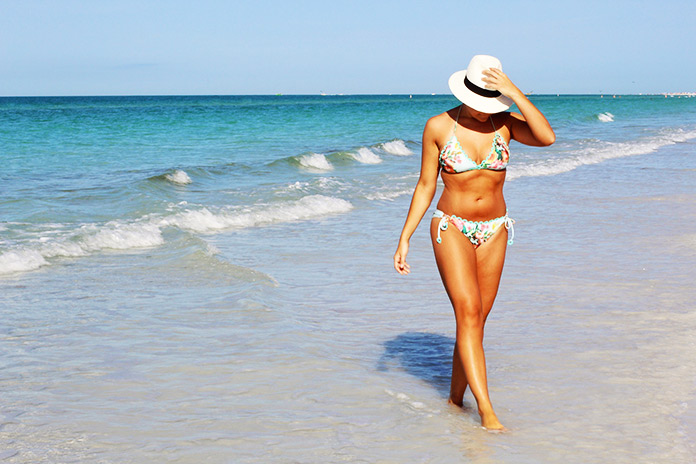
468 146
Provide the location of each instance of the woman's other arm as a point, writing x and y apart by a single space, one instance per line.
422 195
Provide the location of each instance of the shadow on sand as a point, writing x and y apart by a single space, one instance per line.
426 356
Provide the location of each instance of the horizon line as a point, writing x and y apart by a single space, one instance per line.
529 94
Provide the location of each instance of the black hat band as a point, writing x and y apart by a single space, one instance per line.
479 90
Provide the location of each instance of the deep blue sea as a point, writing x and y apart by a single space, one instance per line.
208 279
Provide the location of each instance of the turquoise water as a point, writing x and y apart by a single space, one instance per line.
74 166
210 277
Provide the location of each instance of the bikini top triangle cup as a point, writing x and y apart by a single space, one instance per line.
454 160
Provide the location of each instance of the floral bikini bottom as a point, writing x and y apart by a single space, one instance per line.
477 232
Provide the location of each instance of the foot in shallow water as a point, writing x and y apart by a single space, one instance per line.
459 403
491 423
462 405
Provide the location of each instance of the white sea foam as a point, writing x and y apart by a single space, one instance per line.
328 183
211 250
146 232
300 186
599 153
366 156
389 195
87 239
407 400
119 236
605 117
65 248
205 221
315 161
396 147
21 261
178 177
317 186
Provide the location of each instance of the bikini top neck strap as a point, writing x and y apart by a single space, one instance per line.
456 123
494 129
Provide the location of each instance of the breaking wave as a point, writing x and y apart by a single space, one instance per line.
605 117
178 177
396 147
146 232
205 220
315 161
366 156
602 151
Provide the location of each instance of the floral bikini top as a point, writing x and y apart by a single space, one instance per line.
454 160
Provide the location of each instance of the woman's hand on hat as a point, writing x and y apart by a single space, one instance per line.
498 80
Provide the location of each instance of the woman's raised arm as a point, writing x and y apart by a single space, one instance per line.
531 128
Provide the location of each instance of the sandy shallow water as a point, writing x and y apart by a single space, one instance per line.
324 354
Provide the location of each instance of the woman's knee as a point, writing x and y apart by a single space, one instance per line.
469 313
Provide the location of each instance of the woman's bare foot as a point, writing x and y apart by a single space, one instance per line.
459 402
490 422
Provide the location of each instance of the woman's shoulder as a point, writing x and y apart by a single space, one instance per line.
442 121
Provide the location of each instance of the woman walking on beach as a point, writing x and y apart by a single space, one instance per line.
468 147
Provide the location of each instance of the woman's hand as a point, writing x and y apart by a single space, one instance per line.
531 128
498 80
400 259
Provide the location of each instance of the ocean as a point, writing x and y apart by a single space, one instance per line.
209 279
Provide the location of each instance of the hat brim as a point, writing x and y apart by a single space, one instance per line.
490 105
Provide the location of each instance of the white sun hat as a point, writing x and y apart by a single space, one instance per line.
469 88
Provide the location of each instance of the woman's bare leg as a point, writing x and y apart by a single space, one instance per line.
460 269
458 384
491 258
489 282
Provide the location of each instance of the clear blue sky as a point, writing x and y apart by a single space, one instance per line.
135 47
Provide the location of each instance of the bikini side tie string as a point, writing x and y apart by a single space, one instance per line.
508 225
442 225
